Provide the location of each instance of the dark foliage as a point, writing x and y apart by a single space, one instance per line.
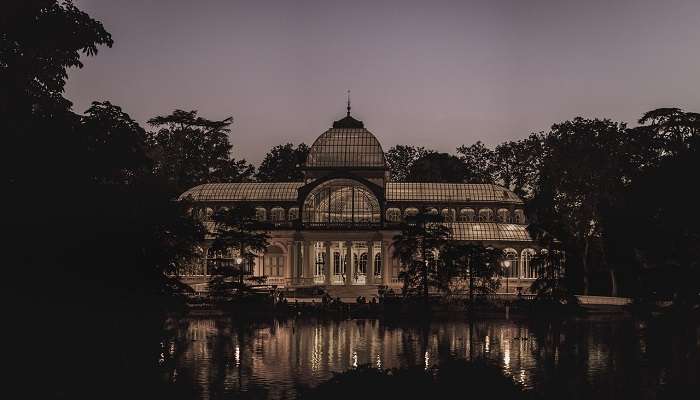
283 163
442 381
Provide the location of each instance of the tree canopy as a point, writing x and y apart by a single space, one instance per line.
189 150
283 163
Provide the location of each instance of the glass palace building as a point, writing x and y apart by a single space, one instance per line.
337 226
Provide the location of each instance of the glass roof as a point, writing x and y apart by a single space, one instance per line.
283 191
449 192
346 148
489 231
395 192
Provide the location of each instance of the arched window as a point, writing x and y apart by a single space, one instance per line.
361 265
320 263
277 214
293 214
273 262
208 212
503 215
260 214
410 211
378 264
393 215
485 215
529 270
448 214
510 263
431 210
466 215
341 202
337 266
519 216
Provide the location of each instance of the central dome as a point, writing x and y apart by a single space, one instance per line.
346 145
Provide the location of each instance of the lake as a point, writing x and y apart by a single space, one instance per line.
601 358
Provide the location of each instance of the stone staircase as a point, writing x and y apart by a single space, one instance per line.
348 294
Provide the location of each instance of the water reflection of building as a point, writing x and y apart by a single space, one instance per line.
335 228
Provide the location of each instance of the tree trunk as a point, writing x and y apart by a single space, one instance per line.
613 283
584 264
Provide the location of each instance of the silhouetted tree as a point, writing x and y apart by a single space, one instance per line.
189 150
421 237
584 168
479 160
516 164
283 163
439 167
400 159
474 263
237 230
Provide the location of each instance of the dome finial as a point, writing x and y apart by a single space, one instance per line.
348 102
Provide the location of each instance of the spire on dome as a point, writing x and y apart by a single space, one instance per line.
348 122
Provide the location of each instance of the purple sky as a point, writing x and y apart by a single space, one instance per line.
432 73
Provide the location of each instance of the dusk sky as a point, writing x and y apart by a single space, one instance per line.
432 73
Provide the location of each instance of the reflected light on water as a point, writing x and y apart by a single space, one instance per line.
280 356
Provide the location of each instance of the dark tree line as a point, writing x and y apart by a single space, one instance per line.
617 198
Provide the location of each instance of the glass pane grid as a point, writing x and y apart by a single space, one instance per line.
346 148
286 191
448 192
488 231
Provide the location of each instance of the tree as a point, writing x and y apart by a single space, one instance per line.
479 159
189 150
40 40
283 163
116 144
400 159
585 166
516 164
238 231
439 167
421 238
474 263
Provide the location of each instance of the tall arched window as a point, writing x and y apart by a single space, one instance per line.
510 261
273 263
466 215
503 215
320 263
341 202
260 214
337 264
431 210
362 264
378 264
529 270
485 215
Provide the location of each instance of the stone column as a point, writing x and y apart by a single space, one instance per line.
298 259
370 260
386 273
310 260
348 263
288 261
327 265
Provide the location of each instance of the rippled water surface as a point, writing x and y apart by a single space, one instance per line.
220 357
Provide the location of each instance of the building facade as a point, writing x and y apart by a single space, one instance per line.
337 226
